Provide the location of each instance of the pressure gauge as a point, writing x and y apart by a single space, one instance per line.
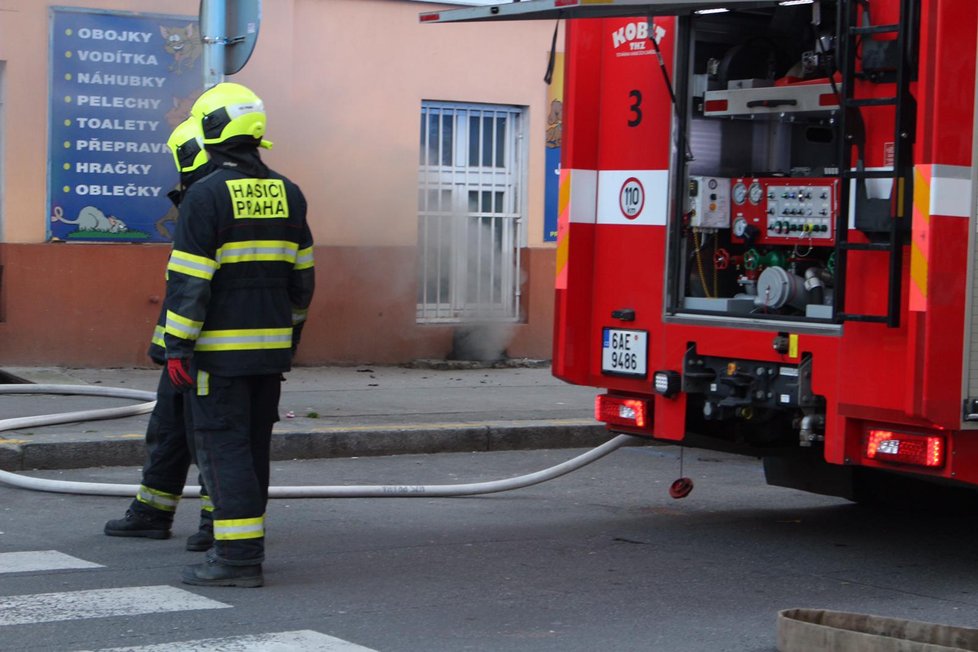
739 193
756 193
739 227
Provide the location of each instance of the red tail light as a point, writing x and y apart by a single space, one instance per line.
621 411
712 106
904 448
828 99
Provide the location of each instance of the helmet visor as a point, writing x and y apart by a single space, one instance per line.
245 119
186 155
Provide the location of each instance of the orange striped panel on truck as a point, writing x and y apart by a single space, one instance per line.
939 191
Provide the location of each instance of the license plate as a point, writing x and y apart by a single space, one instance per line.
624 352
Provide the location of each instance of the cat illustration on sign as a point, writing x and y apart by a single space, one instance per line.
183 43
91 219
167 224
180 109
555 124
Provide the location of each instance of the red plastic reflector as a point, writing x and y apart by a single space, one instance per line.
429 17
904 448
828 99
565 3
715 105
620 411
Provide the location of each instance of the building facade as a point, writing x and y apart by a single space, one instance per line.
421 150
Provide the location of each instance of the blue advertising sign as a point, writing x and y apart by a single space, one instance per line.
554 134
551 194
120 83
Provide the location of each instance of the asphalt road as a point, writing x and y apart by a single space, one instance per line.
601 559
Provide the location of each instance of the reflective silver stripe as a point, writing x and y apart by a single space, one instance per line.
257 250
239 528
157 499
299 316
180 326
304 259
158 336
199 266
245 339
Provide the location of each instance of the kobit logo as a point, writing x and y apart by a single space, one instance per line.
636 35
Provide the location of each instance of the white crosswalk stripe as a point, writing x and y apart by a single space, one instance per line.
298 641
41 560
100 603
131 601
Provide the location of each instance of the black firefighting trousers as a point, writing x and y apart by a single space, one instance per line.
169 453
232 420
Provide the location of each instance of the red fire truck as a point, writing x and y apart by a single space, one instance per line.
767 230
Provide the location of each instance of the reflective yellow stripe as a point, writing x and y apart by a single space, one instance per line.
203 383
299 316
303 259
247 339
191 265
206 504
239 528
157 499
257 250
158 336
181 327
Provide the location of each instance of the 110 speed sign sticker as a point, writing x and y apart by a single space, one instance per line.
631 198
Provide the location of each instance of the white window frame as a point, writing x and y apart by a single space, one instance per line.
470 216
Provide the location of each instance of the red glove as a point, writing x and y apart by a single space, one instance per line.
179 371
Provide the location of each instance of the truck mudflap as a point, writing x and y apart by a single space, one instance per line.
819 630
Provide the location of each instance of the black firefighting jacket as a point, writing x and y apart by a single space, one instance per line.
157 347
240 276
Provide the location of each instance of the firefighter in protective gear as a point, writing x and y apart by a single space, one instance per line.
240 281
168 447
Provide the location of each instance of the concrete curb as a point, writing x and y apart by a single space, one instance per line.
436 407
367 442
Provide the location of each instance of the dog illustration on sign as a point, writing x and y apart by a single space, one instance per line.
91 219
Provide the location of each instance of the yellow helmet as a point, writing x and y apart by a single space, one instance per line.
229 110
187 144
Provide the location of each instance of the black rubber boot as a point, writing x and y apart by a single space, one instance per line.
214 573
137 525
201 540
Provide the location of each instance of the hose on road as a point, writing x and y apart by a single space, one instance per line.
314 491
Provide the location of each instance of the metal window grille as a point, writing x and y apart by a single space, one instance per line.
470 208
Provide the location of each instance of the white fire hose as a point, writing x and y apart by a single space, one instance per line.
314 491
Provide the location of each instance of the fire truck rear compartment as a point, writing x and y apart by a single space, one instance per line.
764 163
757 234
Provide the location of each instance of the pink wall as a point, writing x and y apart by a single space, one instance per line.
81 305
343 82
